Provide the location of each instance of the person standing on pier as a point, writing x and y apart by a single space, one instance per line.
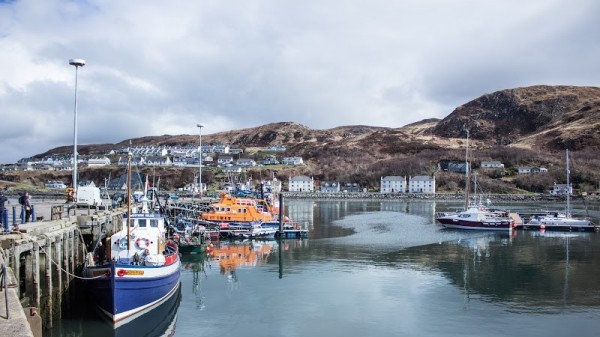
27 205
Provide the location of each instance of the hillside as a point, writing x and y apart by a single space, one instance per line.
522 126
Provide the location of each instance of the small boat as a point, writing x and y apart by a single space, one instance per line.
477 216
562 221
138 270
192 240
248 231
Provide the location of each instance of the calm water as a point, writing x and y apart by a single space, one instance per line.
377 269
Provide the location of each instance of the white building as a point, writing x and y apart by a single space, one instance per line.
527 169
421 184
561 189
330 187
393 184
492 164
98 162
292 161
301 184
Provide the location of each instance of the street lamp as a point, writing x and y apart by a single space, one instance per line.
77 63
200 126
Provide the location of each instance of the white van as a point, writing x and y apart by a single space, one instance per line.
89 196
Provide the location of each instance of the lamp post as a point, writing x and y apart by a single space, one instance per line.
76 63
200 126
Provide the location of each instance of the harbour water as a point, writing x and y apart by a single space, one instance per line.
375 269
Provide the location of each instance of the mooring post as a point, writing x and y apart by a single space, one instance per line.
29 275
17 266
5 221
36 275
14 216
57 262
281 233
65 260
48 273
32 213
72 252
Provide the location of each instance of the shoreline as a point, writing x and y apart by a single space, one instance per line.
459 197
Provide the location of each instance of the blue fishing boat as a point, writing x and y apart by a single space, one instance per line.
138 270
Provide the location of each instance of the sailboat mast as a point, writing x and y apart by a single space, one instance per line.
467 173
568 187
128 198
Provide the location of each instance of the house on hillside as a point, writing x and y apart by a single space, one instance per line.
246 162
393 184
271 160
301 184
330 187
158 161
292 161
225 159
531 170
561 189
351 187
492 164
421 184
98 162
452 166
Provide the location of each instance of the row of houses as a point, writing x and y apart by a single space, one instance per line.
461 166
389 184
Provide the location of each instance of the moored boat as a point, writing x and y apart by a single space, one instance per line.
477 216
561 221
138 270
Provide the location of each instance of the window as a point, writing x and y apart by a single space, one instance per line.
142 223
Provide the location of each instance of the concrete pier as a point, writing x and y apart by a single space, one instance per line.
41 259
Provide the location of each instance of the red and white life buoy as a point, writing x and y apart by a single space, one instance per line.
142 243
482 208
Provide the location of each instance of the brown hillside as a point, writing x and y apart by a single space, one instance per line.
550 117
536 123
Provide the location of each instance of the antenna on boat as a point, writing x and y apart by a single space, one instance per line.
128 197
467 173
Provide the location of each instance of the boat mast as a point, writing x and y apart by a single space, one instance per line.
568 188
467 173
128 197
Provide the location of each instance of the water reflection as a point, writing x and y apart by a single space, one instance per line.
526 270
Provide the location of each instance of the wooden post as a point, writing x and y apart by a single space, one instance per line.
65 261
29 276
59 284
17 266
72 252
35 300
48 274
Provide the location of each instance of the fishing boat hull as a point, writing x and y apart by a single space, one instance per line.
192 248
475 225
125 291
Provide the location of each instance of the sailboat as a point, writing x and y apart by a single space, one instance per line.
560 220
476 216
139 269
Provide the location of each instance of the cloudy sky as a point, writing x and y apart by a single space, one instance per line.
160 67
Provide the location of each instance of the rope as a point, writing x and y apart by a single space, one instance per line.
70 274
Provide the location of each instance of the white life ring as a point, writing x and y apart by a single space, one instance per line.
142 243
482 208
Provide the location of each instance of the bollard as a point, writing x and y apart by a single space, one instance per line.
5 220
32 213
14 215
